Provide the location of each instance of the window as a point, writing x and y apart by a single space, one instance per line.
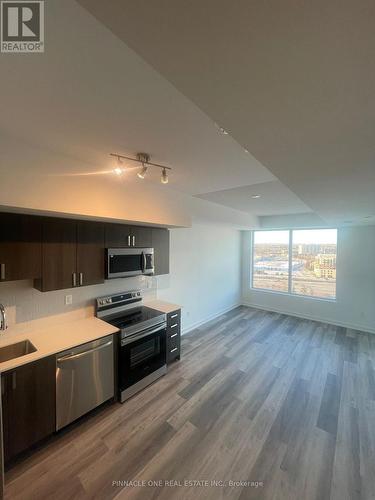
301 262
271 260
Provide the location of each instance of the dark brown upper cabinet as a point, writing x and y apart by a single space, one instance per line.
90 253
72 254
124 236
160 243
20 247
28 400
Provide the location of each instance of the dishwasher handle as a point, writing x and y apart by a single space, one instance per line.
69 357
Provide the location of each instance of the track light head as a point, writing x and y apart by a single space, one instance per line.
164 176
118 170
142 173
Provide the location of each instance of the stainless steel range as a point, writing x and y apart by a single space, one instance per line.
142 340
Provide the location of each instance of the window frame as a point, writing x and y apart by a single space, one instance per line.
289 293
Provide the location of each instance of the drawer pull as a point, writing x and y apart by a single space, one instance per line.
173 350
174 335
174 316
174 326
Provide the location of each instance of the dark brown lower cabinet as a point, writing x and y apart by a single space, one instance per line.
173 335
28 400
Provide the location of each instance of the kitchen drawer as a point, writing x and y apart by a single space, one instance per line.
173 349
174 317
174 328
173 341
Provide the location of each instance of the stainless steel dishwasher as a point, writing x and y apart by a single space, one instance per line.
84 379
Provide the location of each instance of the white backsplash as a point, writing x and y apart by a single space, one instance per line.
25 303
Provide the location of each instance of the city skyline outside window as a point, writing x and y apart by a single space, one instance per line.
307 267
271 260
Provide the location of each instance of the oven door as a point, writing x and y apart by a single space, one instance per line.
124 262
140 355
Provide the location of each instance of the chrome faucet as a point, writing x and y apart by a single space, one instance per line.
3 318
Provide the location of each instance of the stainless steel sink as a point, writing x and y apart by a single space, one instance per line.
17 350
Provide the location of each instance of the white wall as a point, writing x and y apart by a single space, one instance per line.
355 303
205 272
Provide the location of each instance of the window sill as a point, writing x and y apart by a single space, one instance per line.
287 294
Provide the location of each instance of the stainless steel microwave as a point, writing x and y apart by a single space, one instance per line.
124 262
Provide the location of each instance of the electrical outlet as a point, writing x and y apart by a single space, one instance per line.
68 300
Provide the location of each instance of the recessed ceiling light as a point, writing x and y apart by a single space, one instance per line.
256 196
221 129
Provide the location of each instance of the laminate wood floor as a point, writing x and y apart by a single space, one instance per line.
284 403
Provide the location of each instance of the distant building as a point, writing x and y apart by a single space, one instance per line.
277 266
325 265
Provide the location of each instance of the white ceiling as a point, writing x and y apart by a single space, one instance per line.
241 199
292 82
89 94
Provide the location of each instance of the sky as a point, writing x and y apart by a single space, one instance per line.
307 236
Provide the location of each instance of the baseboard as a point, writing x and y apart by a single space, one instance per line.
199 323
310 317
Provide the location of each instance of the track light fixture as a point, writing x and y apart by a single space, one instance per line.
144 160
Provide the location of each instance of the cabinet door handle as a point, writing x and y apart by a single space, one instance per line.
133 239
2 271
174 335
174 316
80 279
74 277
14 381
128 240
173 350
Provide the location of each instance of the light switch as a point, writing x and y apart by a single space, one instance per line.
68 300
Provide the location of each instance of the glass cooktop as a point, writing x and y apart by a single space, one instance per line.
135 316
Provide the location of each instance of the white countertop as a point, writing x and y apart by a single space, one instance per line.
52 338
58 333
160 305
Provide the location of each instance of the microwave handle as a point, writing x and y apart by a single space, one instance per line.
144 262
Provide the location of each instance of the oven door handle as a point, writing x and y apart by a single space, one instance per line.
132 338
